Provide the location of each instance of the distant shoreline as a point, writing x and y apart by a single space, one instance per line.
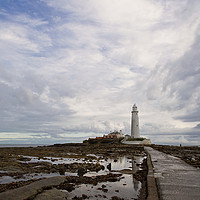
36 145
20 145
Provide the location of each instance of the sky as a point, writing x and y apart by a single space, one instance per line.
72 69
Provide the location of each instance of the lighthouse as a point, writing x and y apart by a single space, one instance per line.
135 133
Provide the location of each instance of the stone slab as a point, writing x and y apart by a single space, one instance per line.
52 194
31 190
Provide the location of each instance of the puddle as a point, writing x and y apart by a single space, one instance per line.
127 188
26 177
116 164
6 179
56 160
1 172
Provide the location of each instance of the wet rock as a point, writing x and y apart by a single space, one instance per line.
32 189
109 166
116 198
66 186
103 151
98 167
18 176
62 171
103 189
24 159
13 185
81 171
84 196
77 198
102 167
52 194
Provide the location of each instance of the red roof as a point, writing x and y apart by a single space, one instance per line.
99 138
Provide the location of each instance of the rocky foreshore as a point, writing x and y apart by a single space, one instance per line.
83 171
97 165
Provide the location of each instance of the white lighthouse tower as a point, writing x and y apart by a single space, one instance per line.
135 133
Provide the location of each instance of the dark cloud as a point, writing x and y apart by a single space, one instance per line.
184 83
190 116
69 68
23 110
197 126
176 85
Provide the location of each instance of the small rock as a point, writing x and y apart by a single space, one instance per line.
84 196
62 171
81 171
116 198
109 166
105 190
102 167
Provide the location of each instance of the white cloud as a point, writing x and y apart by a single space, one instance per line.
82 68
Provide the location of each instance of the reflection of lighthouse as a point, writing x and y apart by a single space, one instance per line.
135 123
134 170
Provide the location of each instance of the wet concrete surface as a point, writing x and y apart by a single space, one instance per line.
175 178
189 154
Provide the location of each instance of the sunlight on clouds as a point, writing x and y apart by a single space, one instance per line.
81 66
114 11
16 36
21 136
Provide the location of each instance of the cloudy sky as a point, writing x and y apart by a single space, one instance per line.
72 69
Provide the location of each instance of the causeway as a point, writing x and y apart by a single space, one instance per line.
175 179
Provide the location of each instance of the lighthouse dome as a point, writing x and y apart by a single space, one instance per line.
134 107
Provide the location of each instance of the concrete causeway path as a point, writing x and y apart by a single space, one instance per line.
176 180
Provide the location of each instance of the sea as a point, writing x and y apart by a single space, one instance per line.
20 145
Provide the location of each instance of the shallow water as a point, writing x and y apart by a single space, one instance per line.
53 160
26 177
117 164
127 188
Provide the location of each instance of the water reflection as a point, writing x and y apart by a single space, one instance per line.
128 187
135 168
125 188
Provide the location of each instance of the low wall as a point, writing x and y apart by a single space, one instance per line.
145 141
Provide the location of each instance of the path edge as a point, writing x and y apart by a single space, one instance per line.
152 190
